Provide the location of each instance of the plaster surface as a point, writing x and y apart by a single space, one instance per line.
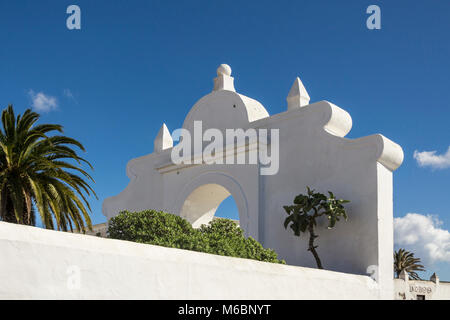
46 264
433 289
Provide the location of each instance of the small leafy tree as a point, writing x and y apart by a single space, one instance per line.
303 215
404 260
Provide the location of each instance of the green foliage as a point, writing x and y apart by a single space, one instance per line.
150 226
39 167
220 236
307 208
303 215
404 260
225 238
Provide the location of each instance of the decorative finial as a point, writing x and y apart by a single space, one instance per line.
224 69
298 96
224 80
434 278
163 140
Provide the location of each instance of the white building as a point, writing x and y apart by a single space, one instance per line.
433 289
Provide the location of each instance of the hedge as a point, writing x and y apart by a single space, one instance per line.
221 236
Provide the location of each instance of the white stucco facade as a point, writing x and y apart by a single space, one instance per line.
313 151
44 264
433 289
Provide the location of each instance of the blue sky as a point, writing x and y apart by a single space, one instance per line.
136 64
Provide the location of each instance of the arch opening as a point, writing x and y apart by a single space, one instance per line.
201 205
228 210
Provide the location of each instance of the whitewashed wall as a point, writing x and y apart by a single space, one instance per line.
406 289
313 151
43 264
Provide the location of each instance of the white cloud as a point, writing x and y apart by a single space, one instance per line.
431 159
422 235
42 102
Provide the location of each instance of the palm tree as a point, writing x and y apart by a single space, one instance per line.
404 260
34 172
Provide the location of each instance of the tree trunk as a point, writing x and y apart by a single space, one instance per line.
27 210
312 248
7 210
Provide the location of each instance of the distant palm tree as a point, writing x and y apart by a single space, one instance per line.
34 170
404 260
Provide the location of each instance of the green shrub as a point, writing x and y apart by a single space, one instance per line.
227 239
150 226
220 236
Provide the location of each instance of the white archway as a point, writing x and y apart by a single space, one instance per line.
201 205
201 197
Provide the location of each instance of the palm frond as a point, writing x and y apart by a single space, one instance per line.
41 169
